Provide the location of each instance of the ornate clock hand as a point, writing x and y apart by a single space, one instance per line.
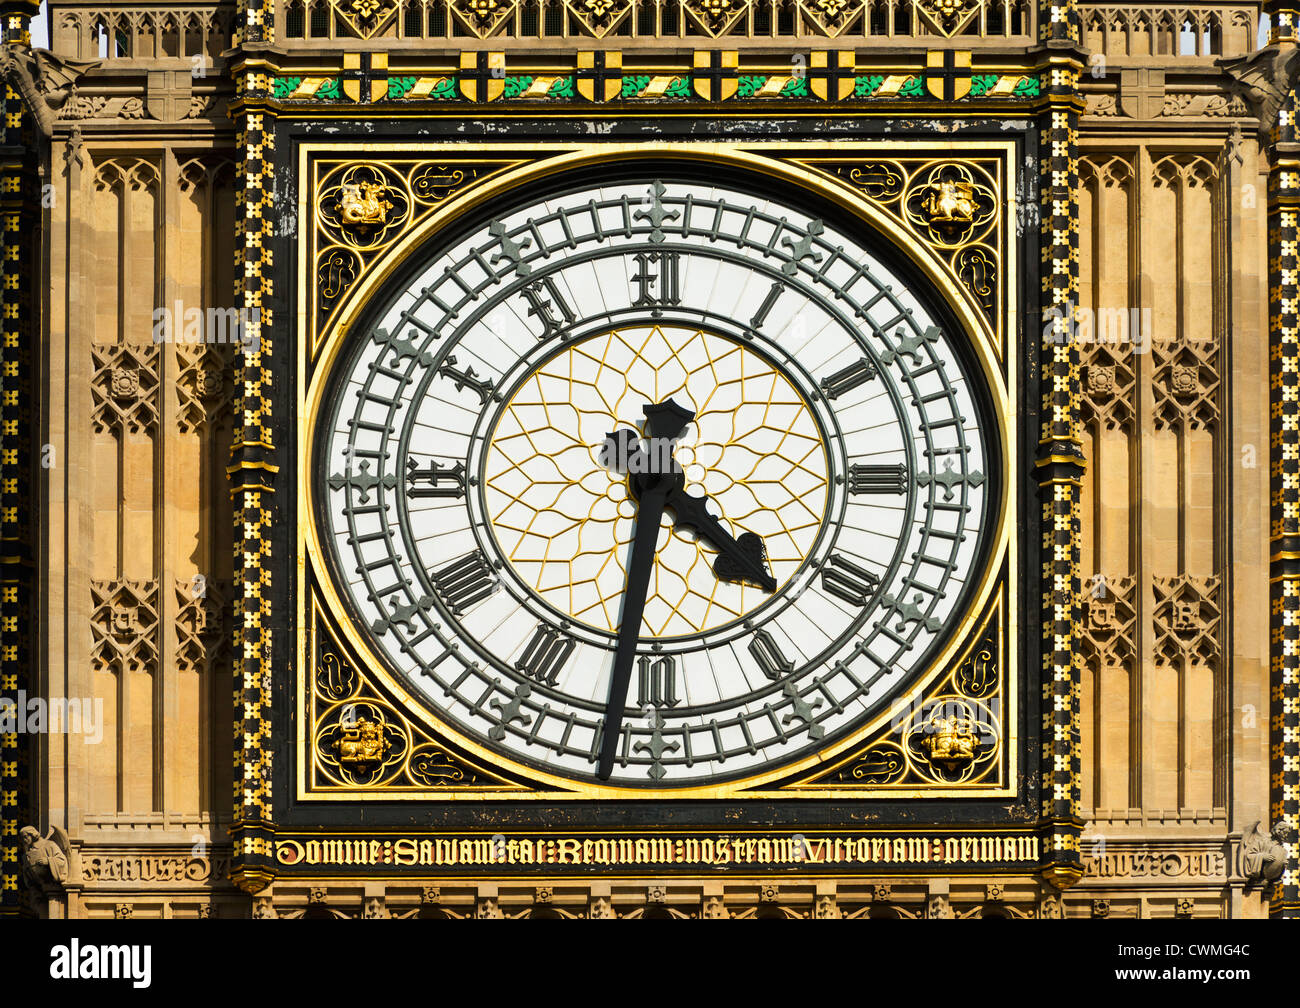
649 514
651 477
743 559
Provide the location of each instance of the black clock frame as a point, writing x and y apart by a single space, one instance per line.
294 814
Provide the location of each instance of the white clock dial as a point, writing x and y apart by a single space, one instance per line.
485 543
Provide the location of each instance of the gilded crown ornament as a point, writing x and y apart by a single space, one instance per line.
716 16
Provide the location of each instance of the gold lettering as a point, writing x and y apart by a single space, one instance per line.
404 852
900 849
951 850
527 853
293 849
724 850
570 851
691 851
918 850
765 850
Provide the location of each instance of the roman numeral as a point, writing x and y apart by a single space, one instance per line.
544 300
665 282
878 479
765 651
848 581
466 582
657 681
448 482
765 309
546 654
467 379
848 378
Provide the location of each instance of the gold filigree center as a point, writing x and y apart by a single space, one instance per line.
565 522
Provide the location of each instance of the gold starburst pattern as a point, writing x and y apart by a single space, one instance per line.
565 522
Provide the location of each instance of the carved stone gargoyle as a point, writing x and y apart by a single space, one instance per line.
45 860
1263 79
1263 855
44 81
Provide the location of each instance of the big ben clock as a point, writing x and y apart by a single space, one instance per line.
657 477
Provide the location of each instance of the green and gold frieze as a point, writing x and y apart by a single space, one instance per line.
685 87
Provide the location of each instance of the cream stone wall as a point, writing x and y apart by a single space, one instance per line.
138 536
1175 553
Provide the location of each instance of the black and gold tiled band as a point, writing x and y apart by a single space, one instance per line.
1060 458
1284 472
18 197
253 482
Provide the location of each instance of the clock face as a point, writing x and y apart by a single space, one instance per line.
657 482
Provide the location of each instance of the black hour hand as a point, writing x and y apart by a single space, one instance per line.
742 560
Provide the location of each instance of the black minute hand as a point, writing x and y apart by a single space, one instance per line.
649 513
650 479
